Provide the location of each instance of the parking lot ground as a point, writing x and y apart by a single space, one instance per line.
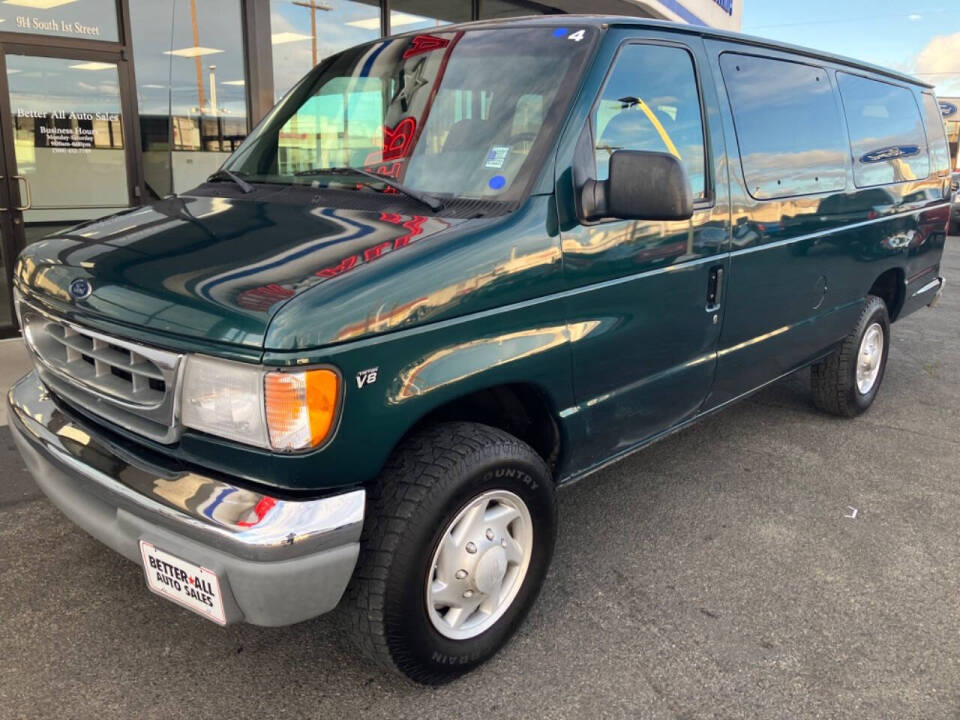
717 574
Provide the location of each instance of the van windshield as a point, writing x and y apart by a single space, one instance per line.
466 114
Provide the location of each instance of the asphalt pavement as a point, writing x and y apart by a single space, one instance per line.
769 562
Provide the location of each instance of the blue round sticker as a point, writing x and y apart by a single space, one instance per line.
497 182
560 32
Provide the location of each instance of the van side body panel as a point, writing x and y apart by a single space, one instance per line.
801 266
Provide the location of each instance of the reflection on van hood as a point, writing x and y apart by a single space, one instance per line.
211 267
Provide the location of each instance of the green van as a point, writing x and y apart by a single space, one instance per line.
447 274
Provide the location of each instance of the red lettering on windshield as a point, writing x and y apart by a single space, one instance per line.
397 139
424 44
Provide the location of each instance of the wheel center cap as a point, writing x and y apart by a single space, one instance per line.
491 567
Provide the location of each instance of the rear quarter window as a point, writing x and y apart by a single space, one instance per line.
788 126
886 131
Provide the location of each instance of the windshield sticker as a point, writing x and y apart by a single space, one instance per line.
560 32
577 36
497 157
408 83
497 182
424 44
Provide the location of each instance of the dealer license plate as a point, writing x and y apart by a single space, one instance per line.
192 586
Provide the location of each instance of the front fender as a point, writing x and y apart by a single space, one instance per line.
420 370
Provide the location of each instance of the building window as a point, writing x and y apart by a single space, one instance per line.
768 95
653 111
953 137
304 32
886 132
189 64
83 19
407 15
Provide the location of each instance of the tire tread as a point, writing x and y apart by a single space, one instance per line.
831 378
424 463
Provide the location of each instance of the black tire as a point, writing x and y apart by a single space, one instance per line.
427 481
834 379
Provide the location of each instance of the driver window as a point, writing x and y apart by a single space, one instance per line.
651 102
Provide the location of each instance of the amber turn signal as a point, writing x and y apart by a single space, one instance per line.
300 407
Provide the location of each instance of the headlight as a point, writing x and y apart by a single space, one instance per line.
269 409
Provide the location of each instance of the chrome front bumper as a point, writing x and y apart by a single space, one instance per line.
279 561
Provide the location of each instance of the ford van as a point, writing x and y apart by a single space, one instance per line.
450 272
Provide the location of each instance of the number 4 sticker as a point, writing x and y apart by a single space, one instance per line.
577 36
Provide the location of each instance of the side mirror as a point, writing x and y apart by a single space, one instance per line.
642 186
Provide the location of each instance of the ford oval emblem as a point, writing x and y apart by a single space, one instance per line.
890 153
80 289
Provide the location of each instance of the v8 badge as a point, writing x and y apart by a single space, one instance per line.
367 377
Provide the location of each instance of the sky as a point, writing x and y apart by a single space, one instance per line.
921 37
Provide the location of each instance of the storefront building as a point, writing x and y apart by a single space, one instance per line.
950 107
108 104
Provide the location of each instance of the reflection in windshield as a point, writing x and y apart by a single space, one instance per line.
468 114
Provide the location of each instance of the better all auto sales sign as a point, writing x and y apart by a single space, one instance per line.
192 586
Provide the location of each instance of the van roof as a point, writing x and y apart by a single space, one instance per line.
603 21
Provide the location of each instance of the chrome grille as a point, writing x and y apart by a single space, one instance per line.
104 366
127 383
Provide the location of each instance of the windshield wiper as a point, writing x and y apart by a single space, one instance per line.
233 177
430 201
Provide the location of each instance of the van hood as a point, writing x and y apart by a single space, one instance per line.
214 268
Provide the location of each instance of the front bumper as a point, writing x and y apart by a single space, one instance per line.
279 561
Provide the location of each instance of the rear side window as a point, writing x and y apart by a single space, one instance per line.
936 135
651 103
886 131
788 126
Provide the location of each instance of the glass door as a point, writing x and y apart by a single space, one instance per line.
8 243
67 132
68 138
7 246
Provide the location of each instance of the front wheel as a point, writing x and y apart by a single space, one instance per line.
846 382
459 535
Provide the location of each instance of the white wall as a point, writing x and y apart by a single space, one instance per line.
707 10
70 187
189 169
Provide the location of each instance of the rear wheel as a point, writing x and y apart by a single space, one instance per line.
459 534
846 382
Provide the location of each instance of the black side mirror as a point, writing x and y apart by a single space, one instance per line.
642 186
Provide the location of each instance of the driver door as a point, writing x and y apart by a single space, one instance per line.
649 362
